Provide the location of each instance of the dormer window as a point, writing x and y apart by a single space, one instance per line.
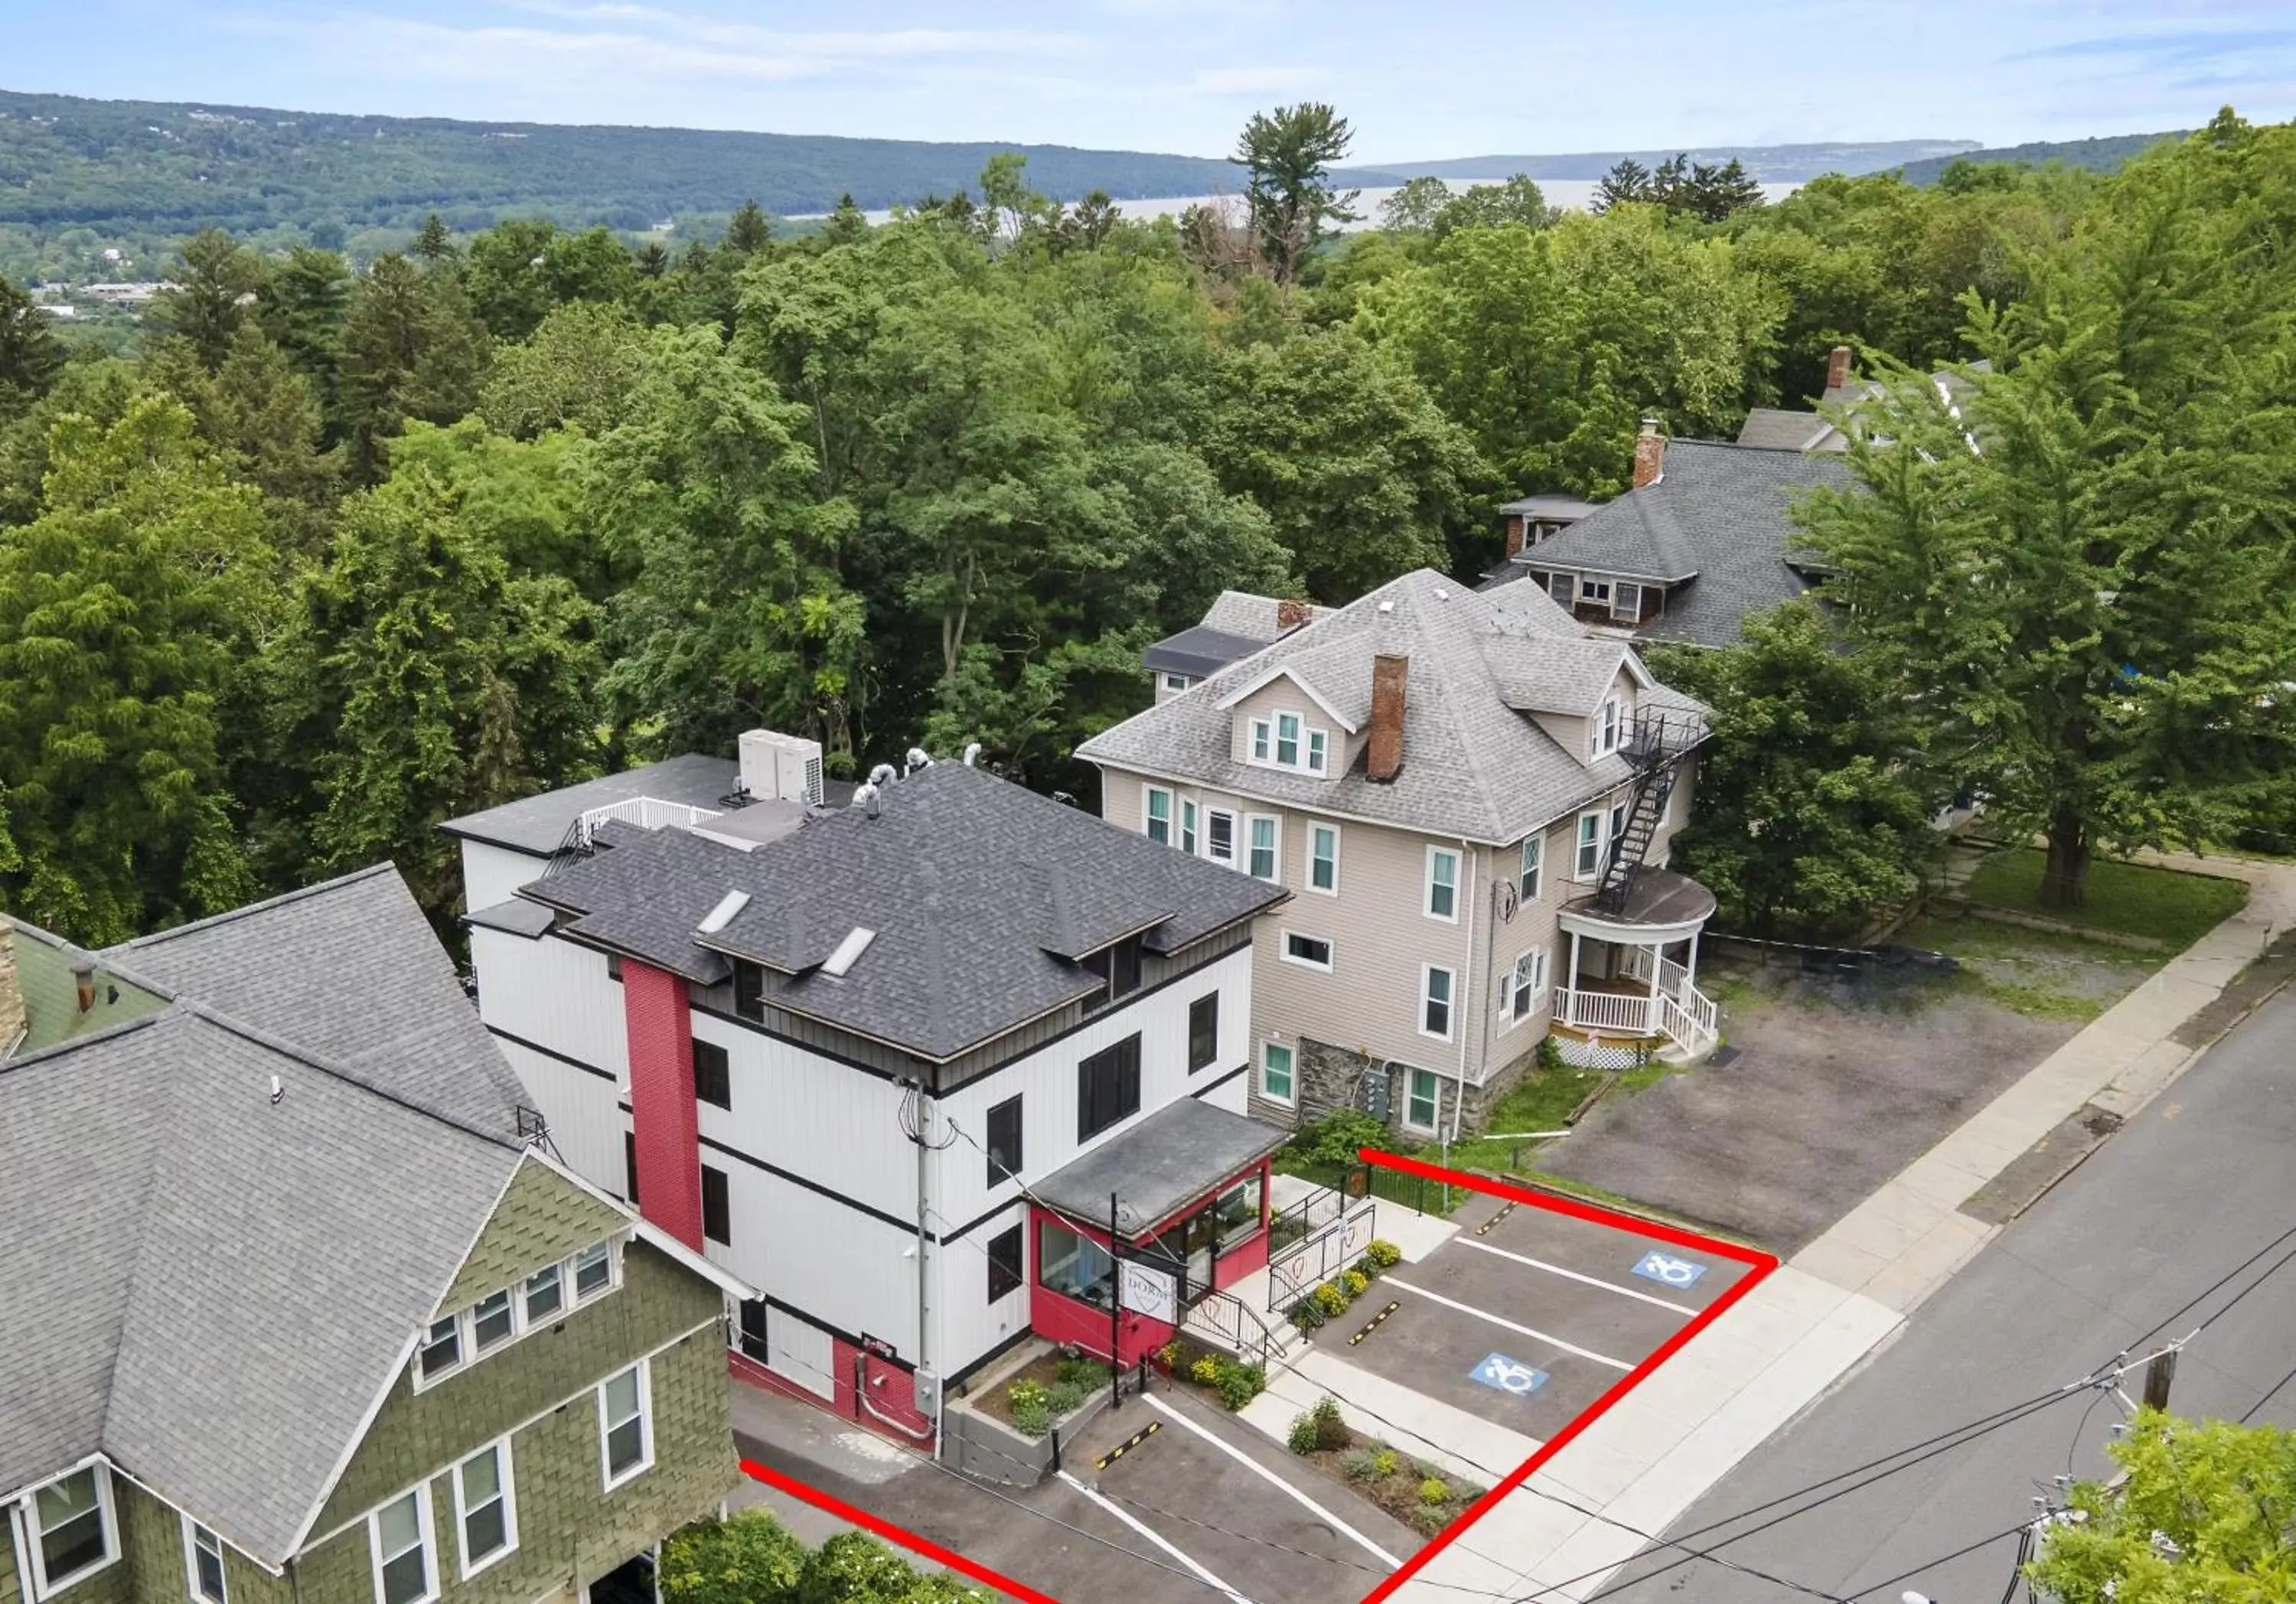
1286 742
1119 967
1606 728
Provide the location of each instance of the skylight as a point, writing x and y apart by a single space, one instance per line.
849 950
722 915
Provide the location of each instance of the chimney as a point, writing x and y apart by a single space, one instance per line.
84 983
1516 524
13 1019
1837 367
1384 756
1290 612
1650 455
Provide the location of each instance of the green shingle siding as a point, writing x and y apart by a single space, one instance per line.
543 1218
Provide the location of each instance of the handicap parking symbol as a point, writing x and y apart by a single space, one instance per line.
1674 1271
1507 1375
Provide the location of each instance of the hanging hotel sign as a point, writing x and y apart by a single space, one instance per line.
1145 1290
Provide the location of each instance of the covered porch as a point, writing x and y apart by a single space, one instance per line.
1131 1235
1631 975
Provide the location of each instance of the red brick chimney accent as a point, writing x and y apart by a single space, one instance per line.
1515 524
1837 367
1290 612
1385 755
1650 454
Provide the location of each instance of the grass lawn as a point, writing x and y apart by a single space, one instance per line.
2040 974
2132 898
1539 1102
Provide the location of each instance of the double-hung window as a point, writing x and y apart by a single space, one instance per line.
713 1074
442 1349
1606 728
1323 858
1261 741
1436 987
1263 831
1590 846
1160 815
1275 1062
1318 747
1442 885
492 1321
594 1271
1534 851
486 1510
398 1539
1004 1142
546 1294
1521 988
1287 741
1204 1032
203 1565
1188 826
1219 836
73 1535
1108 1087
1423 1101
625 1433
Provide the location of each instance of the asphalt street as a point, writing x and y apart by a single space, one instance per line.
2122 1254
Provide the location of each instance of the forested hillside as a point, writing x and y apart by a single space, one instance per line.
337 554
2104 155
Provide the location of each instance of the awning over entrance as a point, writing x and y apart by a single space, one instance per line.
1170 1161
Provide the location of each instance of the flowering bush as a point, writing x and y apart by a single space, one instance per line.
1307 1314
1332 1299
1385 1252
1356 1281
1433 1491
1206 1370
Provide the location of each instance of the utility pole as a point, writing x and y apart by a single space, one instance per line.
2160 1371
1115 1313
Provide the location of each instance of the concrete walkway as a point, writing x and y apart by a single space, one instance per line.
1636 1470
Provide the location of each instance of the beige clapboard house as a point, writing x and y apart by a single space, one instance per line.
1469 797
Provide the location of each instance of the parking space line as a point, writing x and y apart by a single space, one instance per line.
1155 1537
1524 1258
1449 1303
1277 1482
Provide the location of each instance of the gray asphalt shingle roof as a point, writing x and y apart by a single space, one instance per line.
1198 651
1160 1165
1713 528
980 892
1775 429
209 1286
1474 764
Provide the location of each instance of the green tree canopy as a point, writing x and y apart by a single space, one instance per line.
31 354
1287 155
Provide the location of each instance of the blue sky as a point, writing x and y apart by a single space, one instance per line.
1426 80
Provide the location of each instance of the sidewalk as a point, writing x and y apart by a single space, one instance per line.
1636 1470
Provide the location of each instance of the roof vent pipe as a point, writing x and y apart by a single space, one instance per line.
83 982
918 758
884 773
971 750
867 795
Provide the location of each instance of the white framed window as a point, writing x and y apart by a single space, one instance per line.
1594 590
625 1426
1605 732
485 1508
1436 987
1590 846
401 1543
1263 839
441 1353
1157 806
1319 746
1627 602
1275 1084
1174 684
493 1322
1287 741
75 1532
1442 899
1310 951
1563 587
1522 986
1323 859
1219 836
1423 1103
594 1272
1188 831
1534 854
1260 742
545 1295
203 1573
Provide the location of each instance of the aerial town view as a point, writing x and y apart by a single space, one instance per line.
1147 802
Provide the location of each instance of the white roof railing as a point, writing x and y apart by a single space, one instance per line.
647 812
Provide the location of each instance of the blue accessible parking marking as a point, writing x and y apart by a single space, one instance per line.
1671 1271
1502 1374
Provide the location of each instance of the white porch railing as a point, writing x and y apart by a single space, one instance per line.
1628 1012
1678 1011
647 812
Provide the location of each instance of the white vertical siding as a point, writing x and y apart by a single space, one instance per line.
852 1272
493 874
800 1351
584 1111
837 1126
553 993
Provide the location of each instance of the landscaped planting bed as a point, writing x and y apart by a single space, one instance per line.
1046 1390
1418 1494
1330 1300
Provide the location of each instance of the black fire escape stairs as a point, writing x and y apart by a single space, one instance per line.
1653 749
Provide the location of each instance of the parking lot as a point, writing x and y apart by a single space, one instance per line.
1526 1316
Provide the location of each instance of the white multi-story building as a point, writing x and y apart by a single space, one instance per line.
910 1065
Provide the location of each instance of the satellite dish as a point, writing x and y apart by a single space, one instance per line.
1507 900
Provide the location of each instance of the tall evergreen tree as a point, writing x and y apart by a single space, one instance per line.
213 288
31 354
1287 155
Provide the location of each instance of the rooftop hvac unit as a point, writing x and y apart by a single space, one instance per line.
781 768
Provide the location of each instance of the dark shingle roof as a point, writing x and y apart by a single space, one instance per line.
538 824
980 894
1714 526
1160 1165
1199 650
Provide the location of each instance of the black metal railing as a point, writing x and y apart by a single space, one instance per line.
1653 749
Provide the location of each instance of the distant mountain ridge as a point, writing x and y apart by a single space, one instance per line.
1771 163
2102 155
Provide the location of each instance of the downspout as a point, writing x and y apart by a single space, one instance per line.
1464 1003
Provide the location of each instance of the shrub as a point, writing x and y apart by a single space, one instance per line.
1367 1267
1169 1355
853 1568
1331 1142
1386 1462
1026 1394
1356 1283
1033 1416
1302 1436
1240 1384
1429 1519
1332 1299
1085 1374
1549 1053
1386 1252
1363 1466
1434 1491
1306 1313
1330 1428
747 1556
1206 1370
1064 1399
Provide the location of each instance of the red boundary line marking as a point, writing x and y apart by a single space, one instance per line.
1762 1263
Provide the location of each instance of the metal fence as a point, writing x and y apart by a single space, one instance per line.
1296 1270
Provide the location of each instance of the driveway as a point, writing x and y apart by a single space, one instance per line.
1825 1100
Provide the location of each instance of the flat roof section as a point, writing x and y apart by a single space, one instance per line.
538 824
1161 1165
